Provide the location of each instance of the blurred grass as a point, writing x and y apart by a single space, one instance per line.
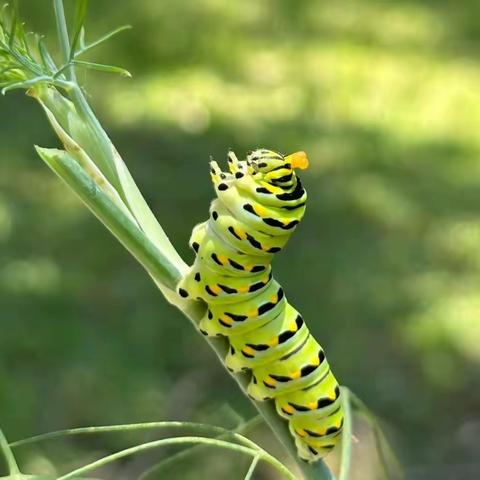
383 96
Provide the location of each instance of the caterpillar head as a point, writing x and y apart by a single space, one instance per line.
274 168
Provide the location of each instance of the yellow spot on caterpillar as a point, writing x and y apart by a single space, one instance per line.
240 233
270 381
271 188
274 299
215 289
227 320
248 351
273 342
312 405
253 313
222 259
301 432
288 408
298 160
260 210
296 374
242 289
316 361
265 279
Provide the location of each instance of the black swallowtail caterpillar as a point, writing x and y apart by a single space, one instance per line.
259 204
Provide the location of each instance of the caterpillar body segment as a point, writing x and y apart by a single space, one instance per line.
242 317
223 257
238 234
265 344
260 202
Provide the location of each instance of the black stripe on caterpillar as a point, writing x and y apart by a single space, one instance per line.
259 204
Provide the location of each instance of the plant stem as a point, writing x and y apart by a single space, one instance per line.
243 428
253 465
111 164
346 454
7 453
179 441
391 465
118 175
77 96
134 427
62 32
134 240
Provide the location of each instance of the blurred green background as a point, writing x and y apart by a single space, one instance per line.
384 97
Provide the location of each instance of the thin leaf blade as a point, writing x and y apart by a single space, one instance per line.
84 48
45 56
103 68
80 16
13 27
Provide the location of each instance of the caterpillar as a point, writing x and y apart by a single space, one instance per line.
259 204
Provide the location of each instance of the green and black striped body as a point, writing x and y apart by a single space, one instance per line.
258 206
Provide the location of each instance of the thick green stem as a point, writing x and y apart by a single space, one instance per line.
135 241
346 454
163 268
7 453
108 159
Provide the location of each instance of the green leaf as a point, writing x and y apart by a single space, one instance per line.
80 15
45 56
13 27
7 454
81 38
155 262
93 139
6 70
84 48
102 68
74 124
22 37
87 163
26 84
